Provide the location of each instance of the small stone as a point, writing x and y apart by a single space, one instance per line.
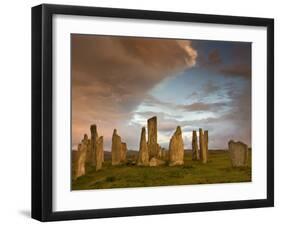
156 162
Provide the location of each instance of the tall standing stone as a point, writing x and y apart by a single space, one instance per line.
202 144
91 156
201 137
123 152
116 148
206 141
152 137
238 152
176 149
143 156
99 153
195 151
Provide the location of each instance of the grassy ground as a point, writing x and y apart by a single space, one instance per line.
217 170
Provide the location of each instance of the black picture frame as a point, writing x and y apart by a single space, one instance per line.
42 111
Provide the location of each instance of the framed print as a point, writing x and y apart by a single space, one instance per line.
145 112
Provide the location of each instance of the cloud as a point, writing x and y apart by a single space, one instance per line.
112 75
241 61
235 123
214 57
112 78
202 106
243 70
210 87
227 58
150 100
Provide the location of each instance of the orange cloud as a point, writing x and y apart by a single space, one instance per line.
112 75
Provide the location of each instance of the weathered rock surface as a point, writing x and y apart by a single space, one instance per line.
74 160
116 148
206 141
99 153
176 148
202 144
91 156
195 151
79 164
123 152
143 155
238 152
201 137
156 162
152 137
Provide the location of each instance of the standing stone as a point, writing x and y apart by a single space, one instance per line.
158 151
143 156
91 156
74 160
202 144
195 151
206 141
116 148
81 159
201 137
88 157
99 153
176 149
86 143
238 152
152 137
123 152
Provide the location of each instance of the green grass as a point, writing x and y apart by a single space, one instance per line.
217 170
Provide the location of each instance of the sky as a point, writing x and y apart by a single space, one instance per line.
120 82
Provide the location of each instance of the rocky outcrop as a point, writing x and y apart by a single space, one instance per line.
176 148
116 148
195 151
143 156
99 153
238 152
152 137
